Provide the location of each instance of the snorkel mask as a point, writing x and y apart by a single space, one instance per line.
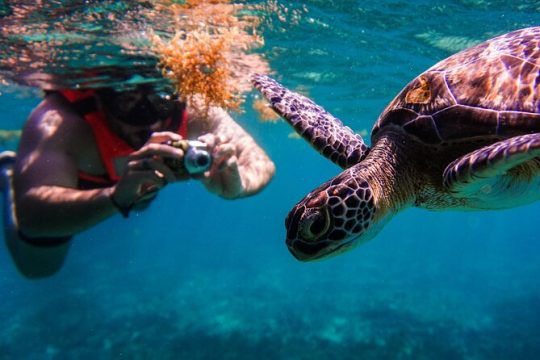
143 106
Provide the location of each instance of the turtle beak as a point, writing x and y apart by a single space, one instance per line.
312 252
306 252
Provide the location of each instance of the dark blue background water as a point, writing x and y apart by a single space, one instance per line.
198 277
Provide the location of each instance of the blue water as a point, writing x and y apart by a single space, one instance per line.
198 277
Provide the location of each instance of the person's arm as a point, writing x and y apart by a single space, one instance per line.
48 203
240 166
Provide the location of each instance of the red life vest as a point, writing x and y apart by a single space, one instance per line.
111 147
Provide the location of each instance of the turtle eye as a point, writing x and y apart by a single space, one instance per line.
314 224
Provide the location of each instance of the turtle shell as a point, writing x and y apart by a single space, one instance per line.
488 91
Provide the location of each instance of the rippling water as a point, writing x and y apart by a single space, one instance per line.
58 44
198 277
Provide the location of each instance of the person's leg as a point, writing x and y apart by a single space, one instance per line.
31 260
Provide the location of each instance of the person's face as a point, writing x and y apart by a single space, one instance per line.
136 135
135 114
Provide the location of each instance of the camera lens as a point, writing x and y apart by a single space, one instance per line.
202 160
197 160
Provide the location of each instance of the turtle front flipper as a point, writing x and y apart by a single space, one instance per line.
500 175
323 131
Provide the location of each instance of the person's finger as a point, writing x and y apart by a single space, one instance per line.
163 136
210 140
149 164
137 165
232 164
235 186
225 181
220 155
147 191
149 183
137 177
225 150
226 168
160 169
158 149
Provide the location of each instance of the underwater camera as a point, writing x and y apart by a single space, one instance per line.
197 158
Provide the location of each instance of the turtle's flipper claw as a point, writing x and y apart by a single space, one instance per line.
323 131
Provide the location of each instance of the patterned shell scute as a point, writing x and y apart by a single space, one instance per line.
492 89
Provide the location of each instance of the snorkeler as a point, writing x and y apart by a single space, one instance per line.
86 155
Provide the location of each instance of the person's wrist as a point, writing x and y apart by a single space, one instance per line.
122 209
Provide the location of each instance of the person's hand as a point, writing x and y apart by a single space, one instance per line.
146 173
223 178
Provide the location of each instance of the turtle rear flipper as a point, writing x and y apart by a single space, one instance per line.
323 131
493 175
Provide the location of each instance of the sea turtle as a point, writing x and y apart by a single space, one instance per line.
465 134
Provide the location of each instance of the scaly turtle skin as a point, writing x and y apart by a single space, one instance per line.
465 134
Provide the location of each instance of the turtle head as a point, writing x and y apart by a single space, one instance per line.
333 218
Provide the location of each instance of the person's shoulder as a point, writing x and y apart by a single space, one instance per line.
55 114
55 121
